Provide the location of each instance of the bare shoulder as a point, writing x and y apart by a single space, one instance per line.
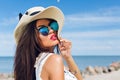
53 62
54 58
54 65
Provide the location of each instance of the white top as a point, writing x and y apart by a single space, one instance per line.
40 61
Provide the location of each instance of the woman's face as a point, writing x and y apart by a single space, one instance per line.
49 40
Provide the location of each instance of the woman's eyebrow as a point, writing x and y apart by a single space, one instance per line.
40 26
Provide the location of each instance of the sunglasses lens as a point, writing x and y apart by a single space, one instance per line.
44 31
54 26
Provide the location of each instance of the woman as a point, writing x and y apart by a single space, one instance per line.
37 39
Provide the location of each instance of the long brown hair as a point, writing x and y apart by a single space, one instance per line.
27 50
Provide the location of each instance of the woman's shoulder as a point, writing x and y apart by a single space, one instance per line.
54 58
53 61
54 64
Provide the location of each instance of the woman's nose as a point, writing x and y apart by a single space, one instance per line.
51 30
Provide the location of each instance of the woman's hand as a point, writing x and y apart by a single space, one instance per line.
65 48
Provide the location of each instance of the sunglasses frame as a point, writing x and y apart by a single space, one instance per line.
42 26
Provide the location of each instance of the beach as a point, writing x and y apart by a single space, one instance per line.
93 70
6 76
115 75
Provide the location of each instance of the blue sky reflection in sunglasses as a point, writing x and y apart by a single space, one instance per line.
44 29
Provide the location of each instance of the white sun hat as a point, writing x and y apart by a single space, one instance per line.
35 13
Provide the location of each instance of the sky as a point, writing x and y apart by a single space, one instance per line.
93 26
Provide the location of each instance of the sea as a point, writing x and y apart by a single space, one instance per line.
6 63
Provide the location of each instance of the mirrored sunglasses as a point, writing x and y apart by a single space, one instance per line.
44 30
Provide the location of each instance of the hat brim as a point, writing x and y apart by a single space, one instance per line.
51 12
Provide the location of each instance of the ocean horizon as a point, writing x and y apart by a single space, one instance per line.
6 62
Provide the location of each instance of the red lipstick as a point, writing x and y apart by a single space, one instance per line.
53 37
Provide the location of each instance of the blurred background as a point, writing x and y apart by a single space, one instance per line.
93 27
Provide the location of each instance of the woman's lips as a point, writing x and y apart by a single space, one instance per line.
53 37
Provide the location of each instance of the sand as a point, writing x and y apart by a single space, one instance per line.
115 75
